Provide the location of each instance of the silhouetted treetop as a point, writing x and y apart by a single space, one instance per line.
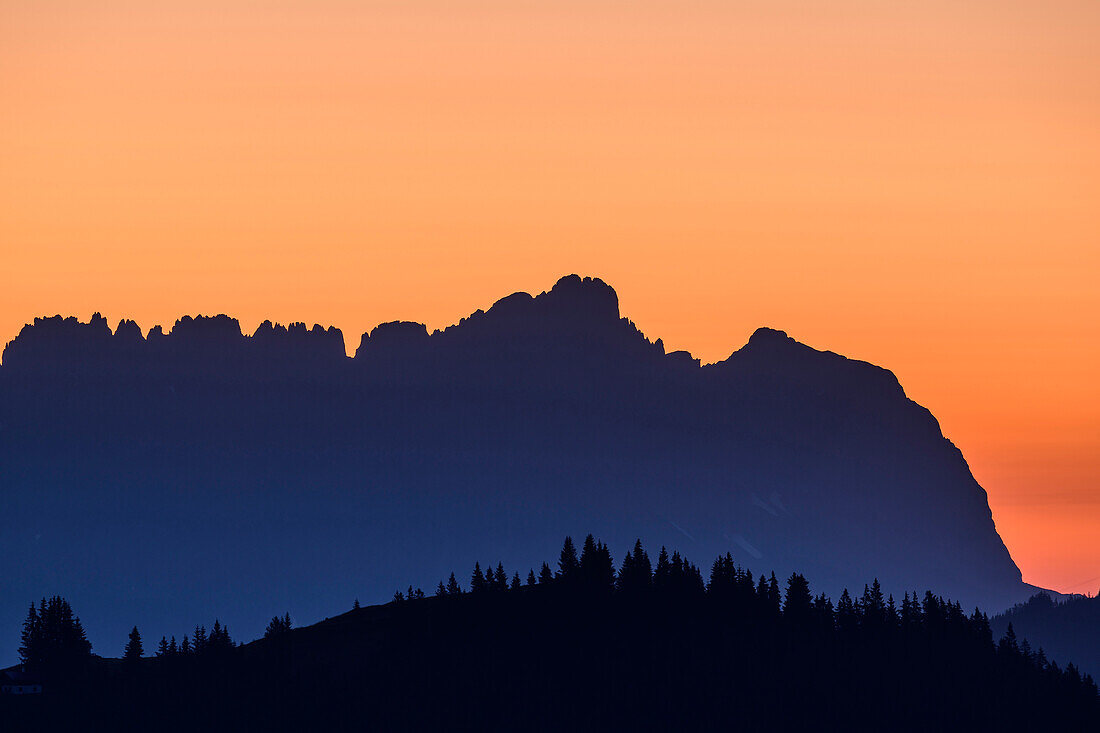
592 649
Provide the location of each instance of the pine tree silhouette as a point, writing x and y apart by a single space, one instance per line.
477 580
846 618
133 649
911 614
824 617
636 575
798 604
662 574
587 562
276 626
774 599
568 564
1008 643
219 641
198 641
53 642
453 588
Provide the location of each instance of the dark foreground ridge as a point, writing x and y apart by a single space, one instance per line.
237 472
650 647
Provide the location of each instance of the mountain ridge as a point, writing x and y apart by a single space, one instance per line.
573 302
512 426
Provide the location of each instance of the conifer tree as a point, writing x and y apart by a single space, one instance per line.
440 590
846 618
198 643
477 580
355 605
173 649
692 580
823 613
219 640
31 643
531 580
910 612
587 558
746 590
774 599
545 574
891 613
604 569
500 578
762 595
636 575
798 604
568 564
662 574
453 588
932 610
1008 643
643 569
872 607
53 639
626 573
597 569
133 650
276 626
723 578
162 647
676 572
979 622
515 581
587 547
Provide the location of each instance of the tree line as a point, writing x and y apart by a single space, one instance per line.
54 645
53 640
764 601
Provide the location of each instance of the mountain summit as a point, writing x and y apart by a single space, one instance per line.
206 472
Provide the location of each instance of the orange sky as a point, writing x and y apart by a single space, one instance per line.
914 184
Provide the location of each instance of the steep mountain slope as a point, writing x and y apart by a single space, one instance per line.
253 474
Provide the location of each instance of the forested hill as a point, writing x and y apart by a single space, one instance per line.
1067 629
196 467
588 648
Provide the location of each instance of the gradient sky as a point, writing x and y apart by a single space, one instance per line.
913 184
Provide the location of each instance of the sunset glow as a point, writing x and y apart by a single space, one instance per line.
912 184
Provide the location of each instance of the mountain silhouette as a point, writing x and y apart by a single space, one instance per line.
201 470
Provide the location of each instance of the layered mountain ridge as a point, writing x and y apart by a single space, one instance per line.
245 471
